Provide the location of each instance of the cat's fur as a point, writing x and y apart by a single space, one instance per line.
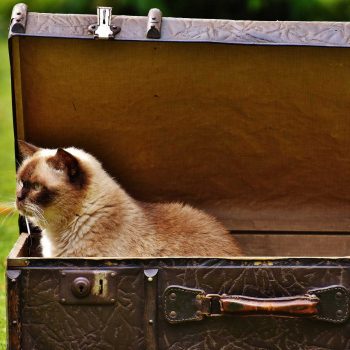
82 211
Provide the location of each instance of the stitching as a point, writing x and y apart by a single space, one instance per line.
322 291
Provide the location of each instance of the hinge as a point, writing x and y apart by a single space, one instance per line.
154 24
19 18
103 29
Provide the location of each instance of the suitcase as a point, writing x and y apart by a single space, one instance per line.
246 120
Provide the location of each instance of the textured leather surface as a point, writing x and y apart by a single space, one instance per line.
334 305
47 324
186 29
268 333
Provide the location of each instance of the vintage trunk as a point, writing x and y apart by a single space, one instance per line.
247 120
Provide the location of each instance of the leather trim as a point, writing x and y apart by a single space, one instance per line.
198 30
334 305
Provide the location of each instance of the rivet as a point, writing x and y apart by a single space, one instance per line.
339 313
113 274
150 321
198 313
63 273
172 314
13 280
150 279
14 322
198 297
63 300
172 296
113 300
339 295
26 262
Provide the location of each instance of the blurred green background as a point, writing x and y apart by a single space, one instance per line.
322 10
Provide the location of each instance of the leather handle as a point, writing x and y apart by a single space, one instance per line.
305 305
329 304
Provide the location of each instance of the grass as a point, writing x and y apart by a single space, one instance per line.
8 225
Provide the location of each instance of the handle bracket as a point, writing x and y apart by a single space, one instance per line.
183 304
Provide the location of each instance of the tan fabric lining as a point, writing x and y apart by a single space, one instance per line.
16 67
259 136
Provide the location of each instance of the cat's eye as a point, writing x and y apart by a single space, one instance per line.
25 184
36 186
29 185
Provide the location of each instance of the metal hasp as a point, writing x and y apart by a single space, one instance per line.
103 29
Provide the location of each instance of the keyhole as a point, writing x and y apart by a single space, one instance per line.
101 287
104 17
81 287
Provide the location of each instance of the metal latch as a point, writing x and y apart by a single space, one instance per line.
103 29
89 287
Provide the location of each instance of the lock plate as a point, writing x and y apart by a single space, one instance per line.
87 287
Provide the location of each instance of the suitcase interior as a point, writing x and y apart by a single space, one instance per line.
255 135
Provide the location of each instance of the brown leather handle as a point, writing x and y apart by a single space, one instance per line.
290 306
331 304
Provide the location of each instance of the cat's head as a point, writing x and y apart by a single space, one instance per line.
49 182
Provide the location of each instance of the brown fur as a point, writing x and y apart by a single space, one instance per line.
82 211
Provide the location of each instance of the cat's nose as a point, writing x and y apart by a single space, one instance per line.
20 196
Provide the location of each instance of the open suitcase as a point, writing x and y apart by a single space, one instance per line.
247 120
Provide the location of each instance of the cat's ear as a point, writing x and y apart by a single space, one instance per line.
65 161
26 149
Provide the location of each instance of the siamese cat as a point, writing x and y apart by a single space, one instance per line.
82 211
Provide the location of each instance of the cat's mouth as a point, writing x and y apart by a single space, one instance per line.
23 209
19 206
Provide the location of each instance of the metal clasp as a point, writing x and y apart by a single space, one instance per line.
103 28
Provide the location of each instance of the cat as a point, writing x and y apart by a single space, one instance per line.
82 211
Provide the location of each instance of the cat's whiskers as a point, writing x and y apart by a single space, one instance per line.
38 213
7 217
6 210
6 207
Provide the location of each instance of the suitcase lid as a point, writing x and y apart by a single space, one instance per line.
247 120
